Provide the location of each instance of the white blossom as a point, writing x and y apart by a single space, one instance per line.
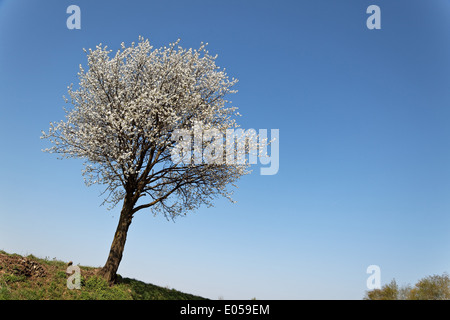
122 117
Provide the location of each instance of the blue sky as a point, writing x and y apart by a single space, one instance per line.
364 145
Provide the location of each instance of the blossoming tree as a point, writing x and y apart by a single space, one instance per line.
122 122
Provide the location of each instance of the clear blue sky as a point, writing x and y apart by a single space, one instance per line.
364 119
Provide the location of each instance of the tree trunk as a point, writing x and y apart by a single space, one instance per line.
109 271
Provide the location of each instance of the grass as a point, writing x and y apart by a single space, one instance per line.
32 278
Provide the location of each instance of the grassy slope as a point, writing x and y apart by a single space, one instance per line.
26 278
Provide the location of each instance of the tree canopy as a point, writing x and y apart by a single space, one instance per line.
434 287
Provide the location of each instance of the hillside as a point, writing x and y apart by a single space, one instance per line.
32 278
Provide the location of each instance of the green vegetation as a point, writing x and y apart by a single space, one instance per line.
435 287
32 278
